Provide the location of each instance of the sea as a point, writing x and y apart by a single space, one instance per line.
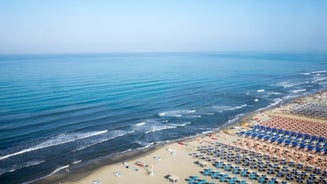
58 111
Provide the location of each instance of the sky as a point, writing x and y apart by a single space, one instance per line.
101 26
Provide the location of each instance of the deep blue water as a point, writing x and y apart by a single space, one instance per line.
58 110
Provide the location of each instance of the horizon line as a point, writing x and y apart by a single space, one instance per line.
162 52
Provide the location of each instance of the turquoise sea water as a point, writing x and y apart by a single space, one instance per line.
60 110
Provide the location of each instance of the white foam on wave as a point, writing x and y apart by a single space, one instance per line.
317 79
52 173
321 71
271 93
109 136
159 128
307 73
223 108
147 145
298 90
290 84
76 162
276 101
181 124
20 166
56 140
176 113
237 107
236 118
260 90
141 124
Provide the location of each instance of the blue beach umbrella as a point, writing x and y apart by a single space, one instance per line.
314 137
293 133
322 139
247 133
273 139
307 136
260 136
302 145
266 137
294 144
310 147
280 141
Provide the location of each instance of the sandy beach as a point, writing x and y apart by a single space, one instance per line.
197 159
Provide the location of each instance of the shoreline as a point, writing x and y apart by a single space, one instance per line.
82 173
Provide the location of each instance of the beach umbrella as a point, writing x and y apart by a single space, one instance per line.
266 137
294 144
262 127
322 139
314 137
307 136
273 139
254 135
260 136
280 141
293 133
247 133
310 147
302 145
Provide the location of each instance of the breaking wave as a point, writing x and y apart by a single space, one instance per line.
20 166
176 113
56 140
298 90
290 84
111 135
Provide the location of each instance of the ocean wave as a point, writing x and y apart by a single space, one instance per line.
276 101
322 83
76 162
15 167
192 116
289 84
260 90
227 108
298 90
319 79
181 124
176 113
272 93
112 135
321 71
306 73
159 128
236 118
56 140
141 124
145 144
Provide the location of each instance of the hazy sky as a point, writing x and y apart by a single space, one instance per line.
62 26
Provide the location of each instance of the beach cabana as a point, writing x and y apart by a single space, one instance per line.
173 178
203 163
